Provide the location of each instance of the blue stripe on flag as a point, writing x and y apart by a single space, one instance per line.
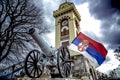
95 54
76 41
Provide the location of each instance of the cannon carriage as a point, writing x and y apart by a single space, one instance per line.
49 57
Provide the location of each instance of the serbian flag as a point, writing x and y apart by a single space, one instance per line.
94 51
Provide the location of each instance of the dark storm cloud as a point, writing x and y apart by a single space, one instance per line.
108 12
77 2
48 6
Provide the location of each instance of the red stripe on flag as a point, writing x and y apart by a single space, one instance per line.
96 45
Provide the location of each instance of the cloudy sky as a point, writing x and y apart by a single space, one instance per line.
100 20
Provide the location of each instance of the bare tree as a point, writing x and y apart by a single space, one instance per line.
117 53
16 17
102 76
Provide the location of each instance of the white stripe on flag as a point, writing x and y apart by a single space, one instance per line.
91 59
73 47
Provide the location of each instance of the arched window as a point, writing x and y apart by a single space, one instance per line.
64 27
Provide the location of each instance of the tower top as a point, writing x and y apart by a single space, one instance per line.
65 8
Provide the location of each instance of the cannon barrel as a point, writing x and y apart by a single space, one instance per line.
40 41
59 58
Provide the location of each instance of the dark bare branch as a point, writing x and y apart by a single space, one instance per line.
16 17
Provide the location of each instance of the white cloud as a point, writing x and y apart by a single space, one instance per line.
51 38
109 65
88 23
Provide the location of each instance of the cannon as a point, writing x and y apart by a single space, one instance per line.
48 57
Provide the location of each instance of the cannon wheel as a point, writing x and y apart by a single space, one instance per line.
64 66
33 67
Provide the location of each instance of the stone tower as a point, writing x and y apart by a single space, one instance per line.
67 20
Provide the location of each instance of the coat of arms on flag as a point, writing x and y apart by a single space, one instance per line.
94 51
83 45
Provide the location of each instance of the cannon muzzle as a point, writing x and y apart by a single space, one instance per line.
40 41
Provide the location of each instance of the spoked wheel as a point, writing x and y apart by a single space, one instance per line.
33 65
64 66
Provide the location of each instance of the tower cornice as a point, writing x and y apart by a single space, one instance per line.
65 8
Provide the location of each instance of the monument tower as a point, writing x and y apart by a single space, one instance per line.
67 20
